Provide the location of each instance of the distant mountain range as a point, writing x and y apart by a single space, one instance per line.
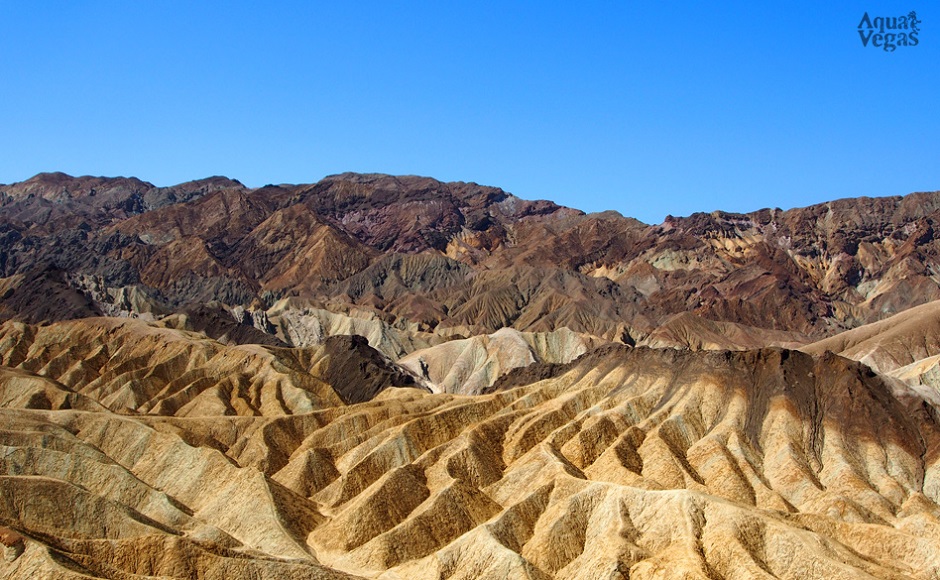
394 377
454 258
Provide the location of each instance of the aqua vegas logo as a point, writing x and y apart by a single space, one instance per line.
889 32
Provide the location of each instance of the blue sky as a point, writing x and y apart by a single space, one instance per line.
648 108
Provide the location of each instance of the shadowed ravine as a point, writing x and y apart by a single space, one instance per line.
652 463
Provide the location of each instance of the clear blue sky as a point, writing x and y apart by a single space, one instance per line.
648 108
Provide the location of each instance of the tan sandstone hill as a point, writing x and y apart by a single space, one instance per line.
626 462
892 343
130 366
687 330
469 366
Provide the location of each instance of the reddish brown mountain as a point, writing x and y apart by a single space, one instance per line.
394 377
460 258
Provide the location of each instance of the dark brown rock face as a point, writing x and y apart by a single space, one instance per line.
357 371
463 258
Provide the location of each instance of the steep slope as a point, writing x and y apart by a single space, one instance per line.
898 341
905 346
636 463
469 366
217 322
60 299
133 367
687 330
299 323
461 258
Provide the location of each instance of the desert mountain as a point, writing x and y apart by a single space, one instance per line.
395 378
456 258
639 463
132 367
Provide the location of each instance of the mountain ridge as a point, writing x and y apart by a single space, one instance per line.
782 464
814 270
392 377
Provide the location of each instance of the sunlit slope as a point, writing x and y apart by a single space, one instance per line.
640 462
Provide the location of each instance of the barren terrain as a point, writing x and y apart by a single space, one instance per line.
393 377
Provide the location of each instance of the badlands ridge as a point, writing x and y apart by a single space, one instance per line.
393 377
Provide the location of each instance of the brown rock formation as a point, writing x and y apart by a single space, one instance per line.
13 544
235 416
624 462
464 258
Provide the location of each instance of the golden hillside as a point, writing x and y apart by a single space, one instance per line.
625 463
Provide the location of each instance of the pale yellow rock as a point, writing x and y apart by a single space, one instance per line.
638 463
469 366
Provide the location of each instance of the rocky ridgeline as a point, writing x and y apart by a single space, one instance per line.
454 258
393 377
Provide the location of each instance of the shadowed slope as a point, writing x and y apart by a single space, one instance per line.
461 258
640 462
130 366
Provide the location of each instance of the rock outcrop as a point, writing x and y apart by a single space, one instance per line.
470 366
